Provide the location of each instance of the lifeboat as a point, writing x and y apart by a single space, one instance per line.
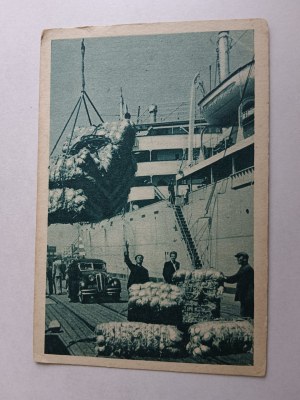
220 106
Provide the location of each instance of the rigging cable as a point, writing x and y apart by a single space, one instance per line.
234 43
78 104
247 80
67 123
163 119
74 125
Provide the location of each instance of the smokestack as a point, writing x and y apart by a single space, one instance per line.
223 53
152 111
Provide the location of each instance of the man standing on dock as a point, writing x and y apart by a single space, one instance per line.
73 281
171 267
244 279
50 277
58 274
138 273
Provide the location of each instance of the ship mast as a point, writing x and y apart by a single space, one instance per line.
192 119
121 105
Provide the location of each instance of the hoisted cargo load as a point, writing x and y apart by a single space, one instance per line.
90 180
93 181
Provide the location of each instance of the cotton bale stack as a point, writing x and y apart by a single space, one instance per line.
133 339
213 338
91 179
200 294
155 302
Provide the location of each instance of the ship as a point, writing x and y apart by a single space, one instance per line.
208 159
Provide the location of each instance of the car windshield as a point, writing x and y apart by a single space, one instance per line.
86 267
99 266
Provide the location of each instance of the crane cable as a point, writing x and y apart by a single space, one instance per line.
77 107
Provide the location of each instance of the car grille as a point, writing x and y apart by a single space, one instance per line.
100 282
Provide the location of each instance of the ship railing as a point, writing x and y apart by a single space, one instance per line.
242 178
243 172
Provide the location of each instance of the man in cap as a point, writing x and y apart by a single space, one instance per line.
244 278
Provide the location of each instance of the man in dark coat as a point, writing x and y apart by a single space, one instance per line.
244 279
50 277
73 281
171 191
138 273
170 267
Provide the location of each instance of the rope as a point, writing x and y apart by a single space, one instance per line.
78 104
67 153
247 80
82 64
87 111
163 119
65 127
234 43
92 104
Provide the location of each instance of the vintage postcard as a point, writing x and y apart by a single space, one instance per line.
152 211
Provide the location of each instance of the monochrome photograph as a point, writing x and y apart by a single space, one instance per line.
152 209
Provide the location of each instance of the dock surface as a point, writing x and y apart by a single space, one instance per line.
78 321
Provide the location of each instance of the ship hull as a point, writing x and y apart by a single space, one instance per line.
219 232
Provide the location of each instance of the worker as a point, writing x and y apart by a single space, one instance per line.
186 196
171 267
58 274
73 281
138 273
50 277
171 191
244 278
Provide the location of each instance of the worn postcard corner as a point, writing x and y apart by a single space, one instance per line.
152 212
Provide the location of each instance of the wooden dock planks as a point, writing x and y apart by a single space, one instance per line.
78 322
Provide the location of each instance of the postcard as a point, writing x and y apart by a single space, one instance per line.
152 209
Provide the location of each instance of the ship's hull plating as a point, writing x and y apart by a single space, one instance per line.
219 231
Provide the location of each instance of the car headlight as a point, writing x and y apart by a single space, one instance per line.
91 278
82 284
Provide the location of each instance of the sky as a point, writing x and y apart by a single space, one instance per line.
150 69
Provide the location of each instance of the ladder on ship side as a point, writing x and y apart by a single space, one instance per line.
159 194
211 195
196 259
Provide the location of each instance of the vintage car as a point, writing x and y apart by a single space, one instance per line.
95 282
